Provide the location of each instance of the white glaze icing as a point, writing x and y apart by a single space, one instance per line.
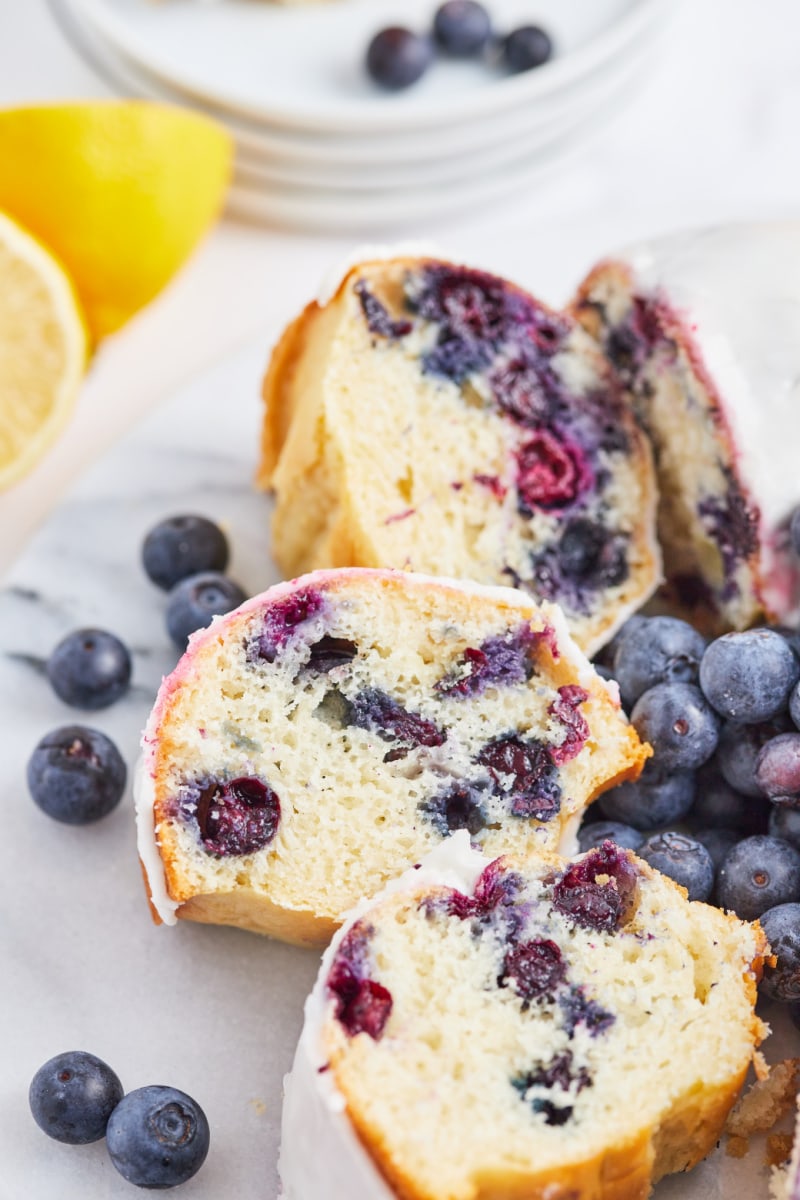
737 288
146 844
320 1153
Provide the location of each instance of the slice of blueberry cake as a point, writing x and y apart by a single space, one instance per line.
329 733
435 418
704 331
520 1028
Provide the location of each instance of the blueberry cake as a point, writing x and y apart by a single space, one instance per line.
704 332
329 733
435 418
520 1028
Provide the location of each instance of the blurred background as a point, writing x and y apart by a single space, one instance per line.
652 115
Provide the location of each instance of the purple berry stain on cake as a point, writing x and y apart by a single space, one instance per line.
493 484
558 1074
600 892
576 731
460 805
579 1009
732 524
377 316
552 472
630 343
329 653
587 557
234 817
362 1004
379 712
497 891
281 622
534 969
500 661
524 772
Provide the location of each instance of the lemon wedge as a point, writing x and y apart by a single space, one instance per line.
120 191
43 350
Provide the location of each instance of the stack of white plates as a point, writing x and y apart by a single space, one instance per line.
321 147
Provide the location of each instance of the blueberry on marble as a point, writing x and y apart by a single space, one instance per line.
600 891
461 28
157 1137
90 669
656 650
182 546
718 843
526 48
72 1097
658 797
459 805
781 926
195 601
613 831
784 823
778 766
747 677
683 859
76 775
794 704
679 724
234 817
524 772
759 873
398 57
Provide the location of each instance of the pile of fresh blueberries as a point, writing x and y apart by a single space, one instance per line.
717 808
157 1137
398 57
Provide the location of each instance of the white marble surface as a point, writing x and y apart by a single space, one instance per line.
215 1012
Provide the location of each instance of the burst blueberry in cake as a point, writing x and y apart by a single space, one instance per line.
435 418
510 1028
328 734
704 331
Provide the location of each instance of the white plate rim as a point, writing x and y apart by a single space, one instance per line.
508 92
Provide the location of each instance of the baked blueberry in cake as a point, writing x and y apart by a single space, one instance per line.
329 733
521 1027
704 331
435 418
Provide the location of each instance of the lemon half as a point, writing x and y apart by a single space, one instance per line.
43 350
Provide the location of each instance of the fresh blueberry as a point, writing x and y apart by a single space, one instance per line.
678 723
778 766
718 805
747 677
656 650
784 823
90 669
782 928
182 546
794 704
461 28
195 601
792 636
76 775
738 751
683 859
526 47
658 797
73 1095
157 1137
397 57
622 835
759 873
718 843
